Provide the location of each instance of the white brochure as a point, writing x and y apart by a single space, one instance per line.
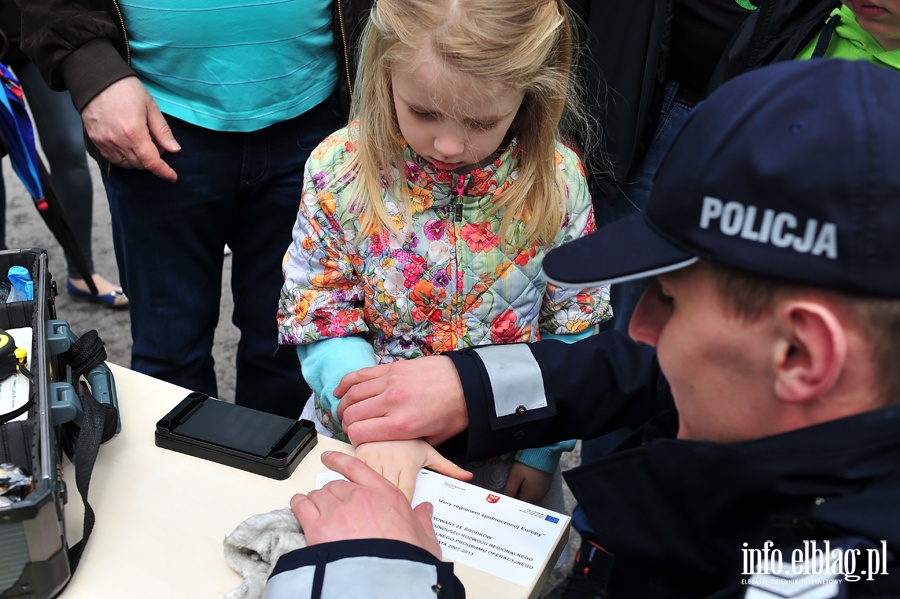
485 530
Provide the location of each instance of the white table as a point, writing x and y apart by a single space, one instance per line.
161 515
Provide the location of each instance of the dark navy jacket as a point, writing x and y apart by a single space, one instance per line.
677 514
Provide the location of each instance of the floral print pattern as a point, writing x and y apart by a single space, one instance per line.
449 282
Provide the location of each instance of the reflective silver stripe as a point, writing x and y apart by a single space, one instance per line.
369 577
290 583
515 377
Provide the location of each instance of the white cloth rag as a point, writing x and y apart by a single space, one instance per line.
256 544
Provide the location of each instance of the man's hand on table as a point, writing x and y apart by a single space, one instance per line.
365 506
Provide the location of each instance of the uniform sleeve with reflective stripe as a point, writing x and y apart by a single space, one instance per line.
530 395
371 568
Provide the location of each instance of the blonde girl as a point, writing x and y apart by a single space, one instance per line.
423 223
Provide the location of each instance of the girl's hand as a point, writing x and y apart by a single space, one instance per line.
400 461
527 483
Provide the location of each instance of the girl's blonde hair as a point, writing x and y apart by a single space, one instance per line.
525 45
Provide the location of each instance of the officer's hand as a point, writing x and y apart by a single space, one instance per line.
406 399
365 506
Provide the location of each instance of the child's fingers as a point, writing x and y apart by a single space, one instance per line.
353 469
511 488
400 475
406 481
442 465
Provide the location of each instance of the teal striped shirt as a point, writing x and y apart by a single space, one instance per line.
238 65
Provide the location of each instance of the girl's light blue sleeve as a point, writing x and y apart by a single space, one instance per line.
324 363
547 458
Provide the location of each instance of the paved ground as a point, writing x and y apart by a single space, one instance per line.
25 228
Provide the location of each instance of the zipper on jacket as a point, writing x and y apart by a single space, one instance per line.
456 319
340 11
115 4
124 33
458 208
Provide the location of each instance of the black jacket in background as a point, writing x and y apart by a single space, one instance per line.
625 69
11 30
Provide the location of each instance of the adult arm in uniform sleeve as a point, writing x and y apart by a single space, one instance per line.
365 540
372 568
529 395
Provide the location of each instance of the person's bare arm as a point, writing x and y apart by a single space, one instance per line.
406 399
365 506
127 127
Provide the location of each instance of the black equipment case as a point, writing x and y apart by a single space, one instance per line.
35 559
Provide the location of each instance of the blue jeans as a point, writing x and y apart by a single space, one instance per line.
624 296
240 189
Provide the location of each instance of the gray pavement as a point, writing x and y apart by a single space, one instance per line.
25 228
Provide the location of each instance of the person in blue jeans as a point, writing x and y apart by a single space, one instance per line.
62 141
201 121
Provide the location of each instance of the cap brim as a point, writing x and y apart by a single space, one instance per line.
625 250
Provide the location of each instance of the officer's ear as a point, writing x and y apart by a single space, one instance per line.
811 351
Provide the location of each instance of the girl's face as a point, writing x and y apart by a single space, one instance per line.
454 122
881 18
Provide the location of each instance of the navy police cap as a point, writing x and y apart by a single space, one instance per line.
787 171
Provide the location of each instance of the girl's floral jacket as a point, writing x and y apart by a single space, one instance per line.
447 283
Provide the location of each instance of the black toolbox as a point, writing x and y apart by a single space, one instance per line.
35 558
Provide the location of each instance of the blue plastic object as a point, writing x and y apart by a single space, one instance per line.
22 285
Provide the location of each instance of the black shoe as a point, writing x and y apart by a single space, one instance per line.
589 574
